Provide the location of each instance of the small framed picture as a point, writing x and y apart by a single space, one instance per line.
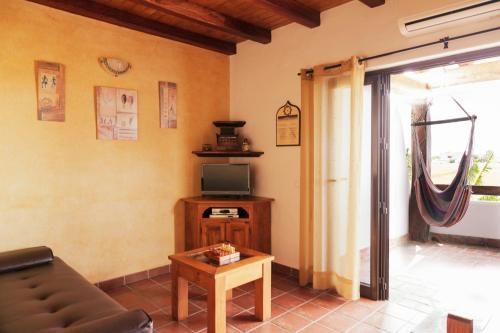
50 91
168 104
288 125
116 113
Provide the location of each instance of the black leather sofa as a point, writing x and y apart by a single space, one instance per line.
40 293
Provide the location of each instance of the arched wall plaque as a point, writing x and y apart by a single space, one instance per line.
288 125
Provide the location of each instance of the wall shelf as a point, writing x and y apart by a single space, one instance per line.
216 153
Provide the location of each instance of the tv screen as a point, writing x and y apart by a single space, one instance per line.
225 179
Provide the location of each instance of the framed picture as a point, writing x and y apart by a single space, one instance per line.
116 113
168 104
49 91
288 125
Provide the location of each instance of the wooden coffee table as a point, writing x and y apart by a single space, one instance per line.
194 266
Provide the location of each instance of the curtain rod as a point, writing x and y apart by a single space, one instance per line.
445 41
446 121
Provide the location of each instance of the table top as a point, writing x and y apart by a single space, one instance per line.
196 259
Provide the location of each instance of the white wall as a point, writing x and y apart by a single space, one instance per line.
264 77
481 220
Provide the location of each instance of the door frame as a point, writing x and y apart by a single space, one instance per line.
378 289
379 179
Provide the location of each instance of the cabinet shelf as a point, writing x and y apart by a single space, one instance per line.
226 219
217 153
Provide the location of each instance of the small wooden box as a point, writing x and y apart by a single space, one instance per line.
223 259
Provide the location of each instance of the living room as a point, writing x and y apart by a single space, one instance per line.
115 208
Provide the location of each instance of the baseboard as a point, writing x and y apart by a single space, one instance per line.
284 270
151 273
465 240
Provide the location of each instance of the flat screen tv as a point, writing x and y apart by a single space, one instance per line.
225 179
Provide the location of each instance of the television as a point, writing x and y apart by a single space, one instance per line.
225 179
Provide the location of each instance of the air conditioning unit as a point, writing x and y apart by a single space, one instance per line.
458 14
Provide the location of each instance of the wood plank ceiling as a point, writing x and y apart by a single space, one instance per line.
217 25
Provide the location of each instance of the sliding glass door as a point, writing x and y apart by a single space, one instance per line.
375 257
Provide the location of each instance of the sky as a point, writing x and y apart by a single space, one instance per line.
481 99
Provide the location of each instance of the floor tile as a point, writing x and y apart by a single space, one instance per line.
174 327
238 292
399 311
385 322
196 322
275 292
199 301
233 309
276 310
371 303
338 322
269 328
365 328
291 322
229 329
244 321
356 310
305 293
160 318
288 301
195 291
246 301
328 301
311 311
284 284
250 286
143 284
317 328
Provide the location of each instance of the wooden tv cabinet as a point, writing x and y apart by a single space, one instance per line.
252 229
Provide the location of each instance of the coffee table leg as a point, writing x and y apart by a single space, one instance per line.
229 294
263 294
217 306
179 295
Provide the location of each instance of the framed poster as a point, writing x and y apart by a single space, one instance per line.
288 125
168 104
116 113
49 91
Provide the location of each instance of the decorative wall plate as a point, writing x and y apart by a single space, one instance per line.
115 66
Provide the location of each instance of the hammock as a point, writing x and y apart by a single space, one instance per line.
443 208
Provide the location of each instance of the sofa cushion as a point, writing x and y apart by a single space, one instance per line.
51 298
20 259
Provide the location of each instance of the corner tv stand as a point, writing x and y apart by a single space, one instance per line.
252 229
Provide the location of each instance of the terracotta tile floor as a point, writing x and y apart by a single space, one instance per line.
431 278
293 308
419 285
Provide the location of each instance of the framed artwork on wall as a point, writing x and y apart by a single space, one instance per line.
168 104
49 90
116 113
288 125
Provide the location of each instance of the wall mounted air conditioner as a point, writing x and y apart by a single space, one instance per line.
458 14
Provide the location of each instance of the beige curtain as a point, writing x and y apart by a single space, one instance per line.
332 109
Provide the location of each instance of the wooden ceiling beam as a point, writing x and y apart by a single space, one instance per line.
373 3
210 18
292 10
95 10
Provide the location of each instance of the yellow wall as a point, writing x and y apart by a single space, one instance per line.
105 207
